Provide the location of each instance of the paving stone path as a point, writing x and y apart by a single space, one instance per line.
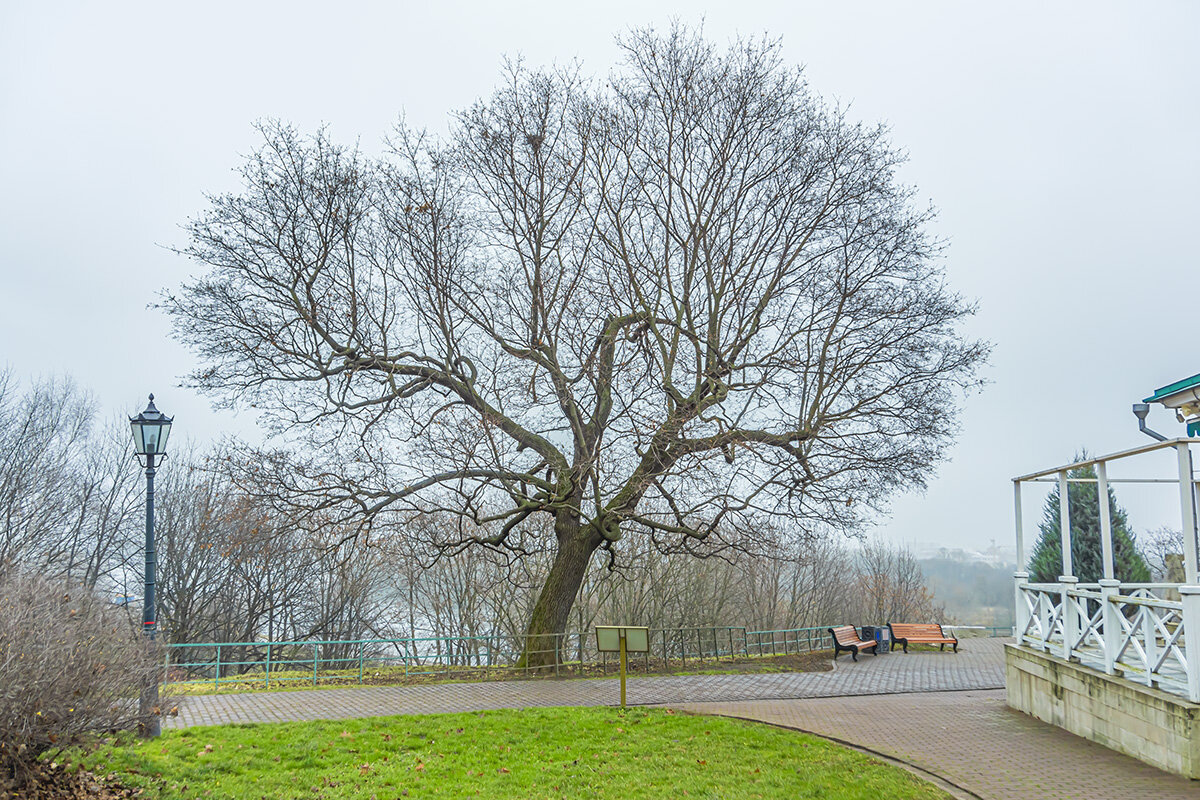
941 714
978 665
973 741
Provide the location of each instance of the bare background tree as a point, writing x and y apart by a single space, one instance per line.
233 571
676 305
1163 551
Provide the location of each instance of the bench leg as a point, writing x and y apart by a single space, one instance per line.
942 647
854 653
956 647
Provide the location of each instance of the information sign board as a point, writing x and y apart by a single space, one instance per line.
622 639
608 638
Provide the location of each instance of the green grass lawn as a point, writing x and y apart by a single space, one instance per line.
531 753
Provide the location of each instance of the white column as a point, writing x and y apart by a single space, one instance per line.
1190 595
1064 522
1020 525
1187 514
1106 544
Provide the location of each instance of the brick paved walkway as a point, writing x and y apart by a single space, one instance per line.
972 740
978 665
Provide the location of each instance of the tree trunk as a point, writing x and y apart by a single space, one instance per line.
548 621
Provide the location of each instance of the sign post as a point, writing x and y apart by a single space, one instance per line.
622 639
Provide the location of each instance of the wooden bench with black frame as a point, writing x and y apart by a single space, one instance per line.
906 633
845 637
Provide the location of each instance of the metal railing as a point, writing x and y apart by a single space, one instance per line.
376 660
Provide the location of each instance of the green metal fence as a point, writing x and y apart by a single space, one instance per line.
568 654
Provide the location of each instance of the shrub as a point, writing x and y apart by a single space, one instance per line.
71 666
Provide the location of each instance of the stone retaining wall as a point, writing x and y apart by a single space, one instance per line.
1148 724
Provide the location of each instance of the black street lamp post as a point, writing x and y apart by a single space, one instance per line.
150 431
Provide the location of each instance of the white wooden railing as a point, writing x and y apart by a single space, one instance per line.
1135 630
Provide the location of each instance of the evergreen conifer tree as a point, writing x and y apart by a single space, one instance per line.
1086 554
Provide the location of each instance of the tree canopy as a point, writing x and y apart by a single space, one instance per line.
1087 560
676 303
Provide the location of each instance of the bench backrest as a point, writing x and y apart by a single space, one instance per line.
903 630
845 634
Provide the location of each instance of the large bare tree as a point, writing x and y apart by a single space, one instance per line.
671 303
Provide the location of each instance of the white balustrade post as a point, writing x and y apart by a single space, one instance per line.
1070 621
1021 615
1149 640
1110 618
1106 544
1190 595
1044 615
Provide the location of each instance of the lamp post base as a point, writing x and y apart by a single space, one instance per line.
150 712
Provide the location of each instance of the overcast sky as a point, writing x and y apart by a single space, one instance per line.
1058 141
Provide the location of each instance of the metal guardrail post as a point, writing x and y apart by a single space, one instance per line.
217 670
268 665
314 663
361 647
